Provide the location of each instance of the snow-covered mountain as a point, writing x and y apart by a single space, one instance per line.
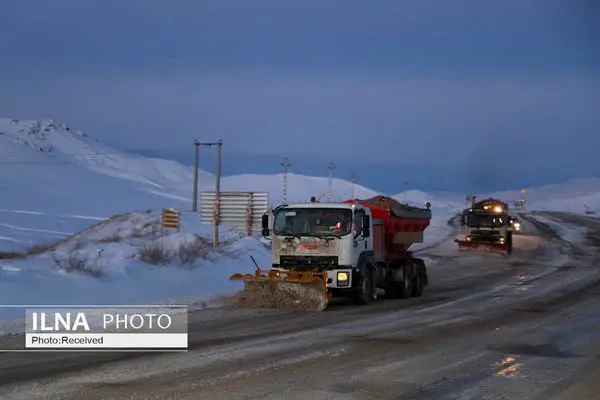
48 143
56 180
42 145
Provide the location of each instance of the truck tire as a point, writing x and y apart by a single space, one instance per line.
364 293
419 282
400 290
406 286
509 242
423 269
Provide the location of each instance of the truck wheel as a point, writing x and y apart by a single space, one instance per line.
423 270
418 283
364 293
406 287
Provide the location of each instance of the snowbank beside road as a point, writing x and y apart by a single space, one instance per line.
573 234
125 261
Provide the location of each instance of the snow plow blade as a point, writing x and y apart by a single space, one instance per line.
467 245
285 290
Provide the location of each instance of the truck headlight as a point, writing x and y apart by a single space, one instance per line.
501 240
517 226
342 278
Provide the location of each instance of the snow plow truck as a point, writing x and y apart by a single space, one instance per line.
489 227
321 251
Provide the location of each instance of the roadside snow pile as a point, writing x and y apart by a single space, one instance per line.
574 234
589 204
124 260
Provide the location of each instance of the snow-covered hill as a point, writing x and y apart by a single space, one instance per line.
56 180
124 260
575 196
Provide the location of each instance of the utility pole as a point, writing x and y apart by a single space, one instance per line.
331 168
218 194
405 190
285 166
353 179
196 166
216 211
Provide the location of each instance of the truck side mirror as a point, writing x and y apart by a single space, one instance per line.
265 225
428 205
366 226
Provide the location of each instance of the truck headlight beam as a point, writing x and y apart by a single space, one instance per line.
342 278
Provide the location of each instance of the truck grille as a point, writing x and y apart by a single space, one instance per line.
308 262
489 236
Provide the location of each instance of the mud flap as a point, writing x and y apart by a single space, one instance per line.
284 291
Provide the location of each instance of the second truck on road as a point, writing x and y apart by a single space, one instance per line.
488 226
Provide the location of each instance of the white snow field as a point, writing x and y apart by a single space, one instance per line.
91 211
577 196
125 260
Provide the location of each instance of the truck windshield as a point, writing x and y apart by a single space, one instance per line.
488 220
312 222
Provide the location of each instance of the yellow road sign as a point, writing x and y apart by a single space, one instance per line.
170 218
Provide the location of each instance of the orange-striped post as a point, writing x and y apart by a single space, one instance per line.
170 218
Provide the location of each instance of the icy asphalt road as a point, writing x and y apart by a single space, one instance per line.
524 327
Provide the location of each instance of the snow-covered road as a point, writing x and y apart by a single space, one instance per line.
487 328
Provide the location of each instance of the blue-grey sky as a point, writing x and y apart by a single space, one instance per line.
440 93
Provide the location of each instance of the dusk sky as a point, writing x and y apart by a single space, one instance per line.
449 95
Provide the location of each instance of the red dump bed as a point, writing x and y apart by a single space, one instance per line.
396 226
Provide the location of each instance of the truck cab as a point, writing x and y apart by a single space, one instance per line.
488 223
326 237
